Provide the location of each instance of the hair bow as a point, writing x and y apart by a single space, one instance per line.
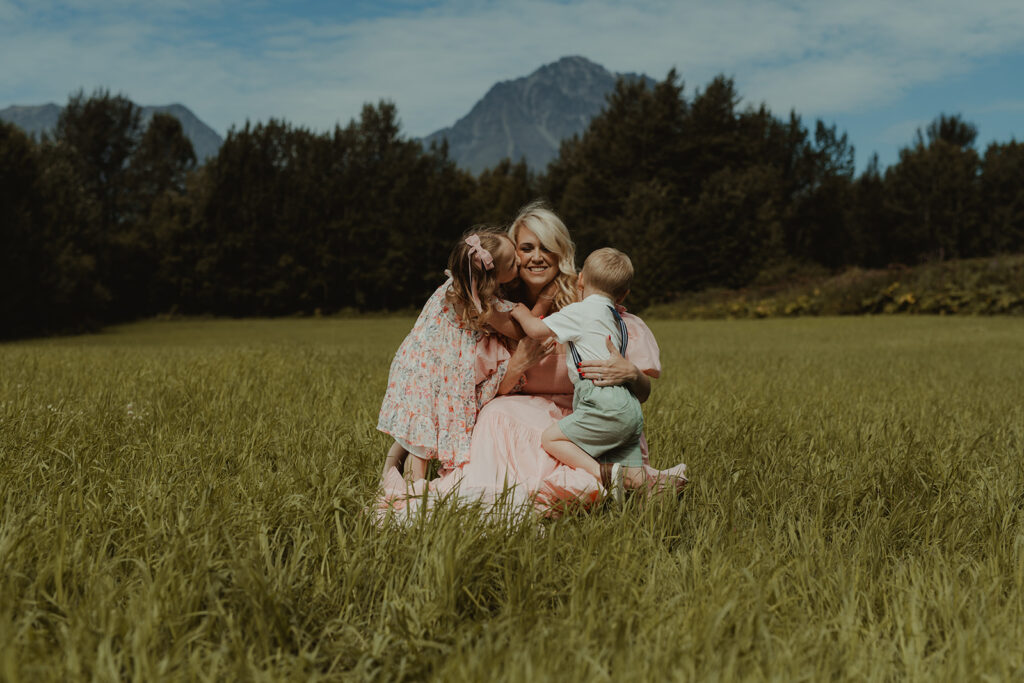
486 262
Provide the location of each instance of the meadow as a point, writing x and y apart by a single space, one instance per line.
186 500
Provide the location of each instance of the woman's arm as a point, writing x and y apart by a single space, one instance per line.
528 353
616 370
640 386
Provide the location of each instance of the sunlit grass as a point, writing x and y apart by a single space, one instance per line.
185 500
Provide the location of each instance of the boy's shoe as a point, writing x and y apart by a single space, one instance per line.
611 479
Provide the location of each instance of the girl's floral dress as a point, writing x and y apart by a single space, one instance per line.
442 374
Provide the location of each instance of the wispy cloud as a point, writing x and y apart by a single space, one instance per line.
231 61
1003 106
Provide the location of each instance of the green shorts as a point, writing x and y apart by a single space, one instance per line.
606 422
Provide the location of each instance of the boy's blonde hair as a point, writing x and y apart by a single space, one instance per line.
610 271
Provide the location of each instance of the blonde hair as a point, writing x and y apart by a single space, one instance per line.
461 262
538 217
610 271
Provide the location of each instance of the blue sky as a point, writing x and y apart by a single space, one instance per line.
879 69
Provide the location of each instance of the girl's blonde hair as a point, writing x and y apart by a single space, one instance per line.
538 217
461 262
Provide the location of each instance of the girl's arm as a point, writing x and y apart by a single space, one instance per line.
533 326
502 323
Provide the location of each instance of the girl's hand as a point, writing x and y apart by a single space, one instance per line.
616 370
504 324
528 353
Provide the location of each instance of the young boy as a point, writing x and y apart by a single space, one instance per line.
606 421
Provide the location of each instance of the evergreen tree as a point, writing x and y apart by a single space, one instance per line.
160 162
155 179
635 141
112 221
48 275
22 247
499 192
933 194
246 258
96 137
100 134
1002 197
288 220
736 227
730 191
871 218
820 229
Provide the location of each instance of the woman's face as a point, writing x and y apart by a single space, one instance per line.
537 265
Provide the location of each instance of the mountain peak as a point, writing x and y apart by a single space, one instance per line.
38 119
571 63
528 117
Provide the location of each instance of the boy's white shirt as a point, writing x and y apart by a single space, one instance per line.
586 324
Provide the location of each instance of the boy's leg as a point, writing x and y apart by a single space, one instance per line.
394 458
565 451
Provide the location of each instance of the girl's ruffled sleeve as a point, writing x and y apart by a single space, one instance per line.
491 363
502 305
642 349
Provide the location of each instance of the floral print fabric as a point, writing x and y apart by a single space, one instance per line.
441 376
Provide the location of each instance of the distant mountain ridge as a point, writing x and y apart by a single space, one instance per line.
40 119
529 117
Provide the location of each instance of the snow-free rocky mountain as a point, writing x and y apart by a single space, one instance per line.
36 120
525 118
530 116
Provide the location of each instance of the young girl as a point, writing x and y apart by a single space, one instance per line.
439 378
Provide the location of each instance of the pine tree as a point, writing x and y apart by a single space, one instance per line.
933 194
1002 197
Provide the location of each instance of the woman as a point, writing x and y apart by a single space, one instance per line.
506 459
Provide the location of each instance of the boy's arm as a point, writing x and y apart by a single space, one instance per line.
533 327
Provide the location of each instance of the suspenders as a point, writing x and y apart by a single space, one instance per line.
622 332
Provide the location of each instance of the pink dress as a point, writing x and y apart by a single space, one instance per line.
440 377
507 463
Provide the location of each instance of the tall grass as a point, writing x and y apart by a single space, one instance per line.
186 501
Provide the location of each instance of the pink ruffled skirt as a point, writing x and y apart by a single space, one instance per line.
508 467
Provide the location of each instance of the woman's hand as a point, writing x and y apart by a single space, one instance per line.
545 299
549 291
616 370
528 353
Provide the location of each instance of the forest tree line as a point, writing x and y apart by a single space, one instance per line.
107 220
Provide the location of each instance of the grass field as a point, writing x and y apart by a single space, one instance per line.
184 501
